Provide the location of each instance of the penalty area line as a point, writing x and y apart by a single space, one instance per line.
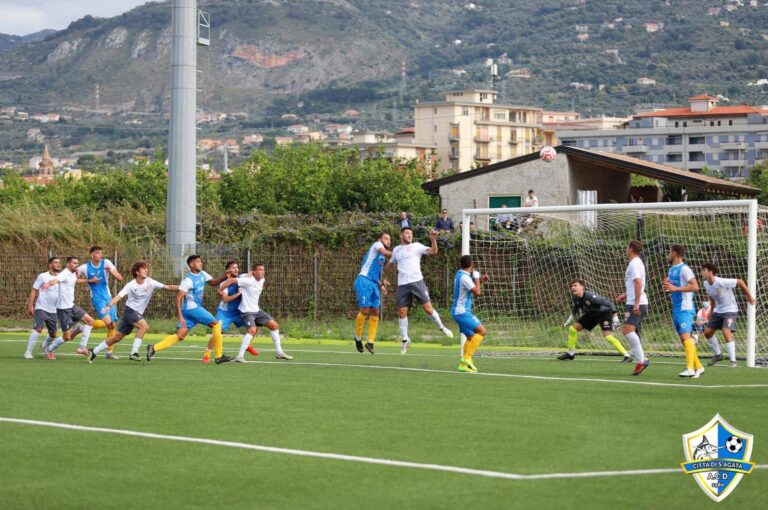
342 457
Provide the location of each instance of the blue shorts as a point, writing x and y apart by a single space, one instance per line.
228 318
197 316
683 321
467 323
367 292
99 303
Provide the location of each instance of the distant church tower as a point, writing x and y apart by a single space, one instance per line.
46 165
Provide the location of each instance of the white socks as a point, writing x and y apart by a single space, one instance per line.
32 341
463 338
247 341
275 340
731 348
103 345
436 319
86 334
57 342
403 325
47 342
716 346
136 345
636 347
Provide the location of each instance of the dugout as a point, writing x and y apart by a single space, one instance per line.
560 181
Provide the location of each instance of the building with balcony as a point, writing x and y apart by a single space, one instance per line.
730 139
469 129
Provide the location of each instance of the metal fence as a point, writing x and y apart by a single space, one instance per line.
302 281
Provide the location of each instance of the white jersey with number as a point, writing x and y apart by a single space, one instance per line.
251 292
721 291
635 270
408 260
139 294
67 281
46 299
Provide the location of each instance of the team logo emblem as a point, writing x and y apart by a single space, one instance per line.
718 456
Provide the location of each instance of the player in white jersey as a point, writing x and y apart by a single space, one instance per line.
725 310
69 314
101 268
138 291
410 282
637 304
42 307
251 285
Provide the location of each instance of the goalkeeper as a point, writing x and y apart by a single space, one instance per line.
596 310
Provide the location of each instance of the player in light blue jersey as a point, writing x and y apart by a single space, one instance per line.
368 288
189 307
98 270
681 284
466 284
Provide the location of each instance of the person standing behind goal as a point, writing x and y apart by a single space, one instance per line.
410 282
637 304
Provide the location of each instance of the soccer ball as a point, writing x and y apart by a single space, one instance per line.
734 444
547 154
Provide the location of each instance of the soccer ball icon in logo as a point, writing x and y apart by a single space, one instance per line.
734 444
548 154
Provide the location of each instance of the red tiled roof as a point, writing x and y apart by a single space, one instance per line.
743 109
702 97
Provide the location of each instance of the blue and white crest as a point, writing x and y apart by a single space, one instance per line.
718 456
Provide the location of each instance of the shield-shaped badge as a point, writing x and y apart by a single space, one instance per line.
718 456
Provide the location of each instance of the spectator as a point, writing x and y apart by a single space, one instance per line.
505 221
444 223
404 220
527 220
531 200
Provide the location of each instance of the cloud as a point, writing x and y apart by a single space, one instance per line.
21 17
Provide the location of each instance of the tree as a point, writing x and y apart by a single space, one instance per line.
758 177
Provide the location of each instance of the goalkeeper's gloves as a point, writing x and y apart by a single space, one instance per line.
615 322
568 321
475 275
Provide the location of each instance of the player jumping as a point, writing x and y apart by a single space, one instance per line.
681 284
724 312
595 310
466 284
368 289
637 304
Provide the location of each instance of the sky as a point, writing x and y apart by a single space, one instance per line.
22 17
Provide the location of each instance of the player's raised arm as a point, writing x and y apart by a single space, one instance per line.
433 241
170 287
215 282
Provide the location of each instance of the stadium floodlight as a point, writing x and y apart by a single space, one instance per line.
182 178
532 256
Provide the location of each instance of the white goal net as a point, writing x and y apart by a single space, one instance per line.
531 255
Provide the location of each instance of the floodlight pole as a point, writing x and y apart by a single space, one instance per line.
182 178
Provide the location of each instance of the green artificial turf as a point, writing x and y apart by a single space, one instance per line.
558 421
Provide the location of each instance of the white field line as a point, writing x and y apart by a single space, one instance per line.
342 457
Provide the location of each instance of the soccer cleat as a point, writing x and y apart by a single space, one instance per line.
109 355
239 359
150 352
626 359
28 355
687 373
447 332
566 356
250 350
369 347
717 358
207 357
91 357
698 372
469 363
359 345
83 351
49 355
464 368
223 359
640 367
134 356
733 364
282 355
404 345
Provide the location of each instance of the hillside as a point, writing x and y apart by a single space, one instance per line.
270 57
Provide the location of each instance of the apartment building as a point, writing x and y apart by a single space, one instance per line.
469 129
729 138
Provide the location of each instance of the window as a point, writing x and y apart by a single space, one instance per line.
685 124
711 123
718 122
483 96
730 122
513 116
465 111
674 140
677 124
674 158
696 140
499 116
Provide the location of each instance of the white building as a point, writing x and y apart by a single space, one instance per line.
730 139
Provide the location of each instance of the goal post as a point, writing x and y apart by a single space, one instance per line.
531 254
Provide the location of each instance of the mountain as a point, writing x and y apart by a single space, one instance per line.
269 57
8 41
